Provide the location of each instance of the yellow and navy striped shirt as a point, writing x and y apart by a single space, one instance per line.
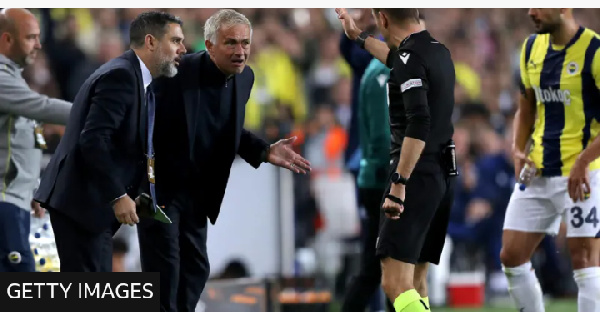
566 82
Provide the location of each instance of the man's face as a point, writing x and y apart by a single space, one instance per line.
169 50
545 20
26 41
232 48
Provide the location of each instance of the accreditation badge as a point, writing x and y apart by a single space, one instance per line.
39 137
151 170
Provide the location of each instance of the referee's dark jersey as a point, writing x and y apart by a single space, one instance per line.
421 90
421 93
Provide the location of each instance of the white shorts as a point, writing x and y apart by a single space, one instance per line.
541 207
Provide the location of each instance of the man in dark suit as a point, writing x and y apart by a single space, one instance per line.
100 162
199 131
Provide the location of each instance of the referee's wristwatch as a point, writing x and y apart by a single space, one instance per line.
398 179
362 37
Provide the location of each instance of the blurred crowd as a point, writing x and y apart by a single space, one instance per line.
303 87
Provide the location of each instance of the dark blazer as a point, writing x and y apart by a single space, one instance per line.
101 155
191 155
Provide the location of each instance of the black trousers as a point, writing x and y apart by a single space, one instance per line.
80 250
366 283
178 252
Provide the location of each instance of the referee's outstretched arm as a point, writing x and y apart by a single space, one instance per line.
377 48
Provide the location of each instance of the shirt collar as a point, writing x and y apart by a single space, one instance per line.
215 74
146 76
412 34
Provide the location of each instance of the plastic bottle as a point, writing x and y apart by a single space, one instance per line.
526 175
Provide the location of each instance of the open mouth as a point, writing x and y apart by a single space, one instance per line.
238 63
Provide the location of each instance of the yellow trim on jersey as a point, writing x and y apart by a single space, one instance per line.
596 67
565 132
523 66
571 138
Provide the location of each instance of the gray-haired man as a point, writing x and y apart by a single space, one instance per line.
199 131
21 139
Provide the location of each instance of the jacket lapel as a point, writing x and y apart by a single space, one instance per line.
142 118
240 108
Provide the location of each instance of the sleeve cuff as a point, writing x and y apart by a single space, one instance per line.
115 200
264 155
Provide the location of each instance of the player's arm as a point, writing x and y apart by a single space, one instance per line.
592 151
524 118
411 75
578 175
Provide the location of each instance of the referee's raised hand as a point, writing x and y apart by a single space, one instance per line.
350 28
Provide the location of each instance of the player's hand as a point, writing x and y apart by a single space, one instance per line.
520 159
350 28
38 211
125 211
579 181
392 209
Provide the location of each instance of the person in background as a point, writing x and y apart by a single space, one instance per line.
21 136
374 130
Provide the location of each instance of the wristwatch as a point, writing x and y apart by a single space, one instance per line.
397 178
362 37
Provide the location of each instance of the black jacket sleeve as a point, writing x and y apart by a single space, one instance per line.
411 74
113 94
252 148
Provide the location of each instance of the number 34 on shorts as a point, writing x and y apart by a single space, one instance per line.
579 217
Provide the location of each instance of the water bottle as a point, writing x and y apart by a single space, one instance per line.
527 174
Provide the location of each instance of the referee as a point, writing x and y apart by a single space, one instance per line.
418 198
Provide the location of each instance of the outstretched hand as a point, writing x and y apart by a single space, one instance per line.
350 28
282 155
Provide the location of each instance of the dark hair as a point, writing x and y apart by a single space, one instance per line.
401 15
152 22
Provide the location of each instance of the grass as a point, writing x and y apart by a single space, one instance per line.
554 305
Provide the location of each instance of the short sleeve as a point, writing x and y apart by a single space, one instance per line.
596 68
410 71
525 84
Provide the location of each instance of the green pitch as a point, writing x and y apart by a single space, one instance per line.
560 305
552 305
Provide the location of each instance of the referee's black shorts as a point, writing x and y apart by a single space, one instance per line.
419 234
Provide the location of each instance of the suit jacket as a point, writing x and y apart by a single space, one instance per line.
101 155
191 155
